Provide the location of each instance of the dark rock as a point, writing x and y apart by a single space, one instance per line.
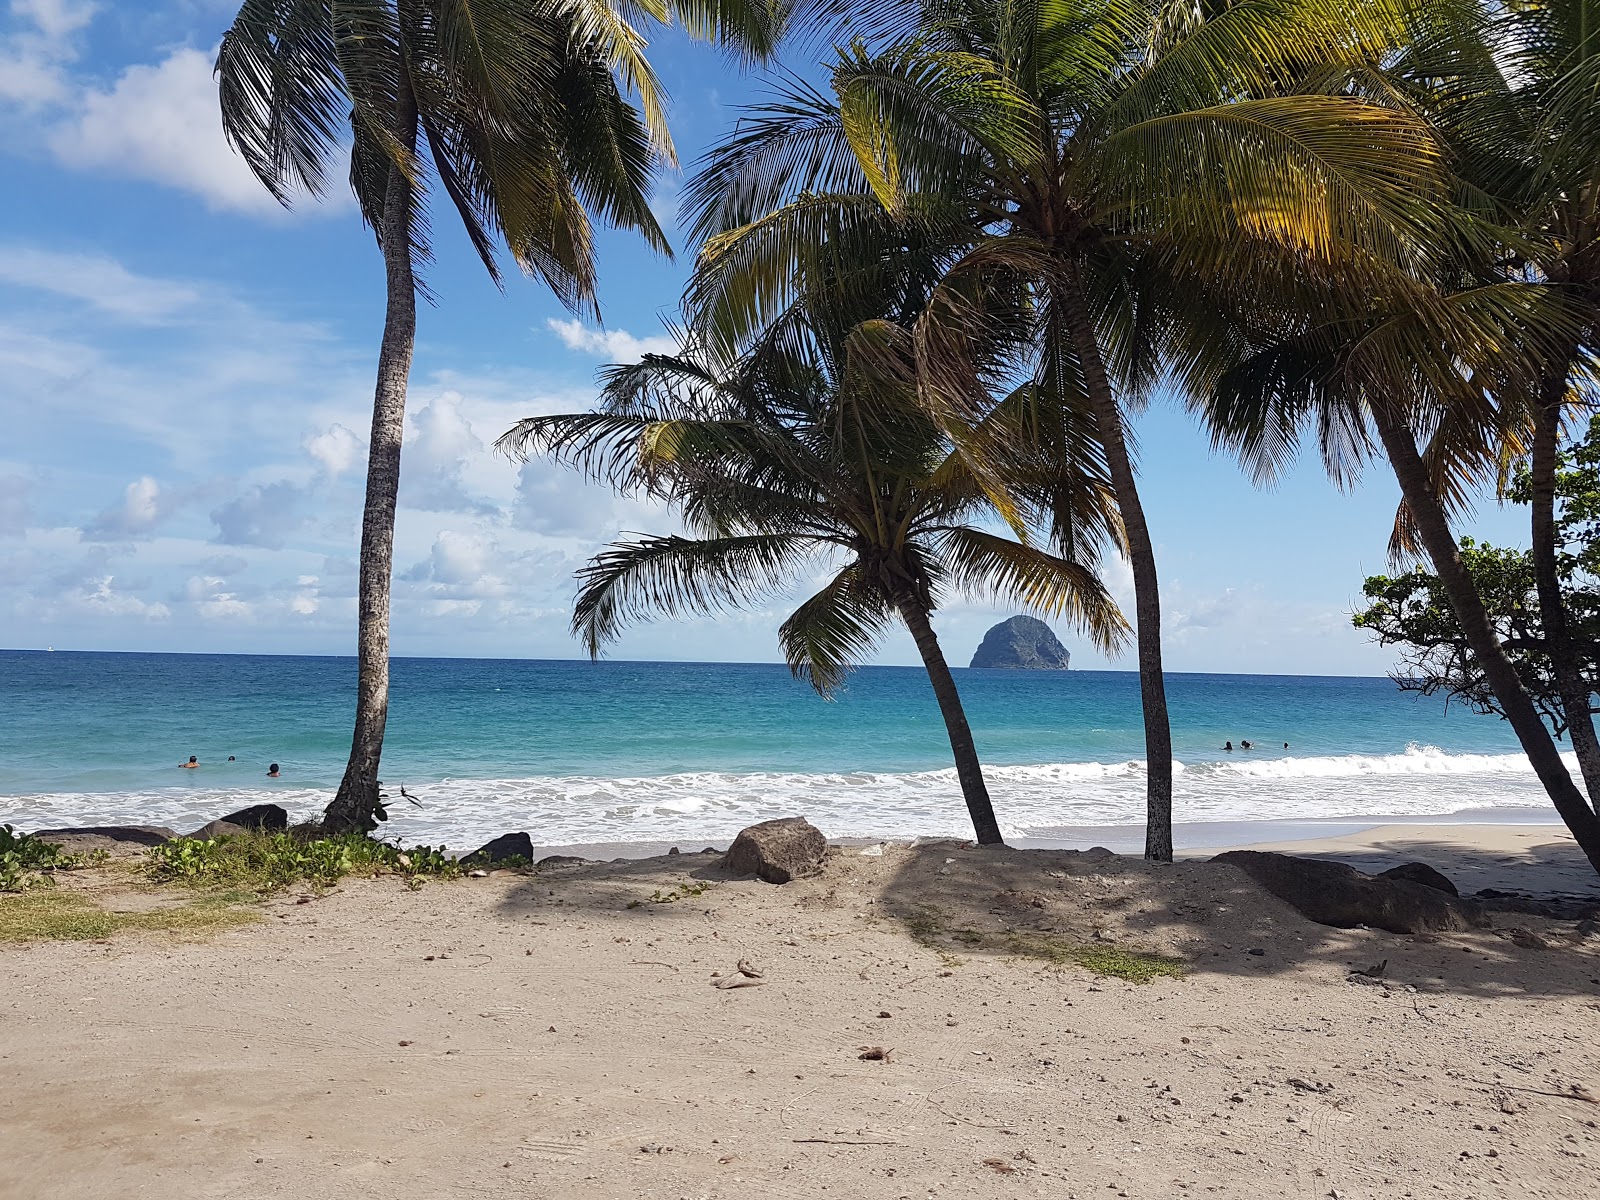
507 845
1022 644
1422 873
262 818
216 829
1587 928
560 860
115 840
1333 893
777 851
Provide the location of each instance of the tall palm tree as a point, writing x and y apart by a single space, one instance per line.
519 111
1063 147
1520 107
1445 381
812 451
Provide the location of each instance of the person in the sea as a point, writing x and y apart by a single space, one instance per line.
1228 746
193 762
231 758
272 771
1245 745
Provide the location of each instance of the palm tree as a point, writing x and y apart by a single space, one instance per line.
812 449
1443 379
1521 110
519 111
1060 147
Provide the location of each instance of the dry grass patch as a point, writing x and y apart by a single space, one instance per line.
56 914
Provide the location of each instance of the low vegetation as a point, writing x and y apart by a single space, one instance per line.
930 926
268 862
65 915
24 859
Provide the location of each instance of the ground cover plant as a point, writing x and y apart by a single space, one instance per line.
267 862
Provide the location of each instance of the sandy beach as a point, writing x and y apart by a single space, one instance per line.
558 1035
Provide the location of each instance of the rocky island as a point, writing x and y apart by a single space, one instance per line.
1022 644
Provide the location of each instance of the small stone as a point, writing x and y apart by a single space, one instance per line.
1257 951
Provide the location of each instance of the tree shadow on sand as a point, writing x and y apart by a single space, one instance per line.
1085 911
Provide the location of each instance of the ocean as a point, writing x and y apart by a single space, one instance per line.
580 752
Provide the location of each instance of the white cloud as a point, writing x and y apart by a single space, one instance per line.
100 282
144 506
55 18
336 449
440 449
15 510
161 123
104 600
613 345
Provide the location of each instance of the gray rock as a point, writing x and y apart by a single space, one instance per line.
507 845
263 818
217 829
560 860
1022 644
1333 893
115 840
1418 872
777 851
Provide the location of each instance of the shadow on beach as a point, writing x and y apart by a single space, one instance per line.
963 903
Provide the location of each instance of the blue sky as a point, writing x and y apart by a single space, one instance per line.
185 372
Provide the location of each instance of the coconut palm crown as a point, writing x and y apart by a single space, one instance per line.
519 111
805 456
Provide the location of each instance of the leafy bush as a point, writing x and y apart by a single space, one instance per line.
23 856
266 862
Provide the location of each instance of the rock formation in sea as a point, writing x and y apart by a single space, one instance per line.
1022 644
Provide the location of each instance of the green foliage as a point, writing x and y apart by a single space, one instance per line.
61 915
1134 966
265 862
23 857
1413 612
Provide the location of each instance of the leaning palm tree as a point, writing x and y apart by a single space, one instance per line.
519 112
811 452
1064 148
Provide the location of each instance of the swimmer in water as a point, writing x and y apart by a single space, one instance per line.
272 771
1244 745
1228 746
193 762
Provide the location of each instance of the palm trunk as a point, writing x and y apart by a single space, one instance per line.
1146 587
356 805
968 770
1426 511
1564 666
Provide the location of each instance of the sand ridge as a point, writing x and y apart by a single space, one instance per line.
559 1035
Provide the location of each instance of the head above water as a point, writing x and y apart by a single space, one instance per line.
194 758
272 769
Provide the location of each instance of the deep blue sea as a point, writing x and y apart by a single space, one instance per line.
622 751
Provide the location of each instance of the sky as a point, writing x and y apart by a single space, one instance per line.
186 375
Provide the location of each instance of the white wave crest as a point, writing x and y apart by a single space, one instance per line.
706 806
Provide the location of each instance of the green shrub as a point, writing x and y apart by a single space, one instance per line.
23 856
266 862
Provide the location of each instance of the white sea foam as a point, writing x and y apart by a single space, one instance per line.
712 806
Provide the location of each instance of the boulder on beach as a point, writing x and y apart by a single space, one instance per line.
1022 644
507 845
777 851
261 818
116 840
218 829
1419 872
1334 893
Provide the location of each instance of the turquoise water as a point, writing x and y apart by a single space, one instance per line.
578 751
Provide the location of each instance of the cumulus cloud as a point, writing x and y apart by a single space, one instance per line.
160 123
613 345
441 448
144 506
265 515
553 500
34 57
102 599
335 450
